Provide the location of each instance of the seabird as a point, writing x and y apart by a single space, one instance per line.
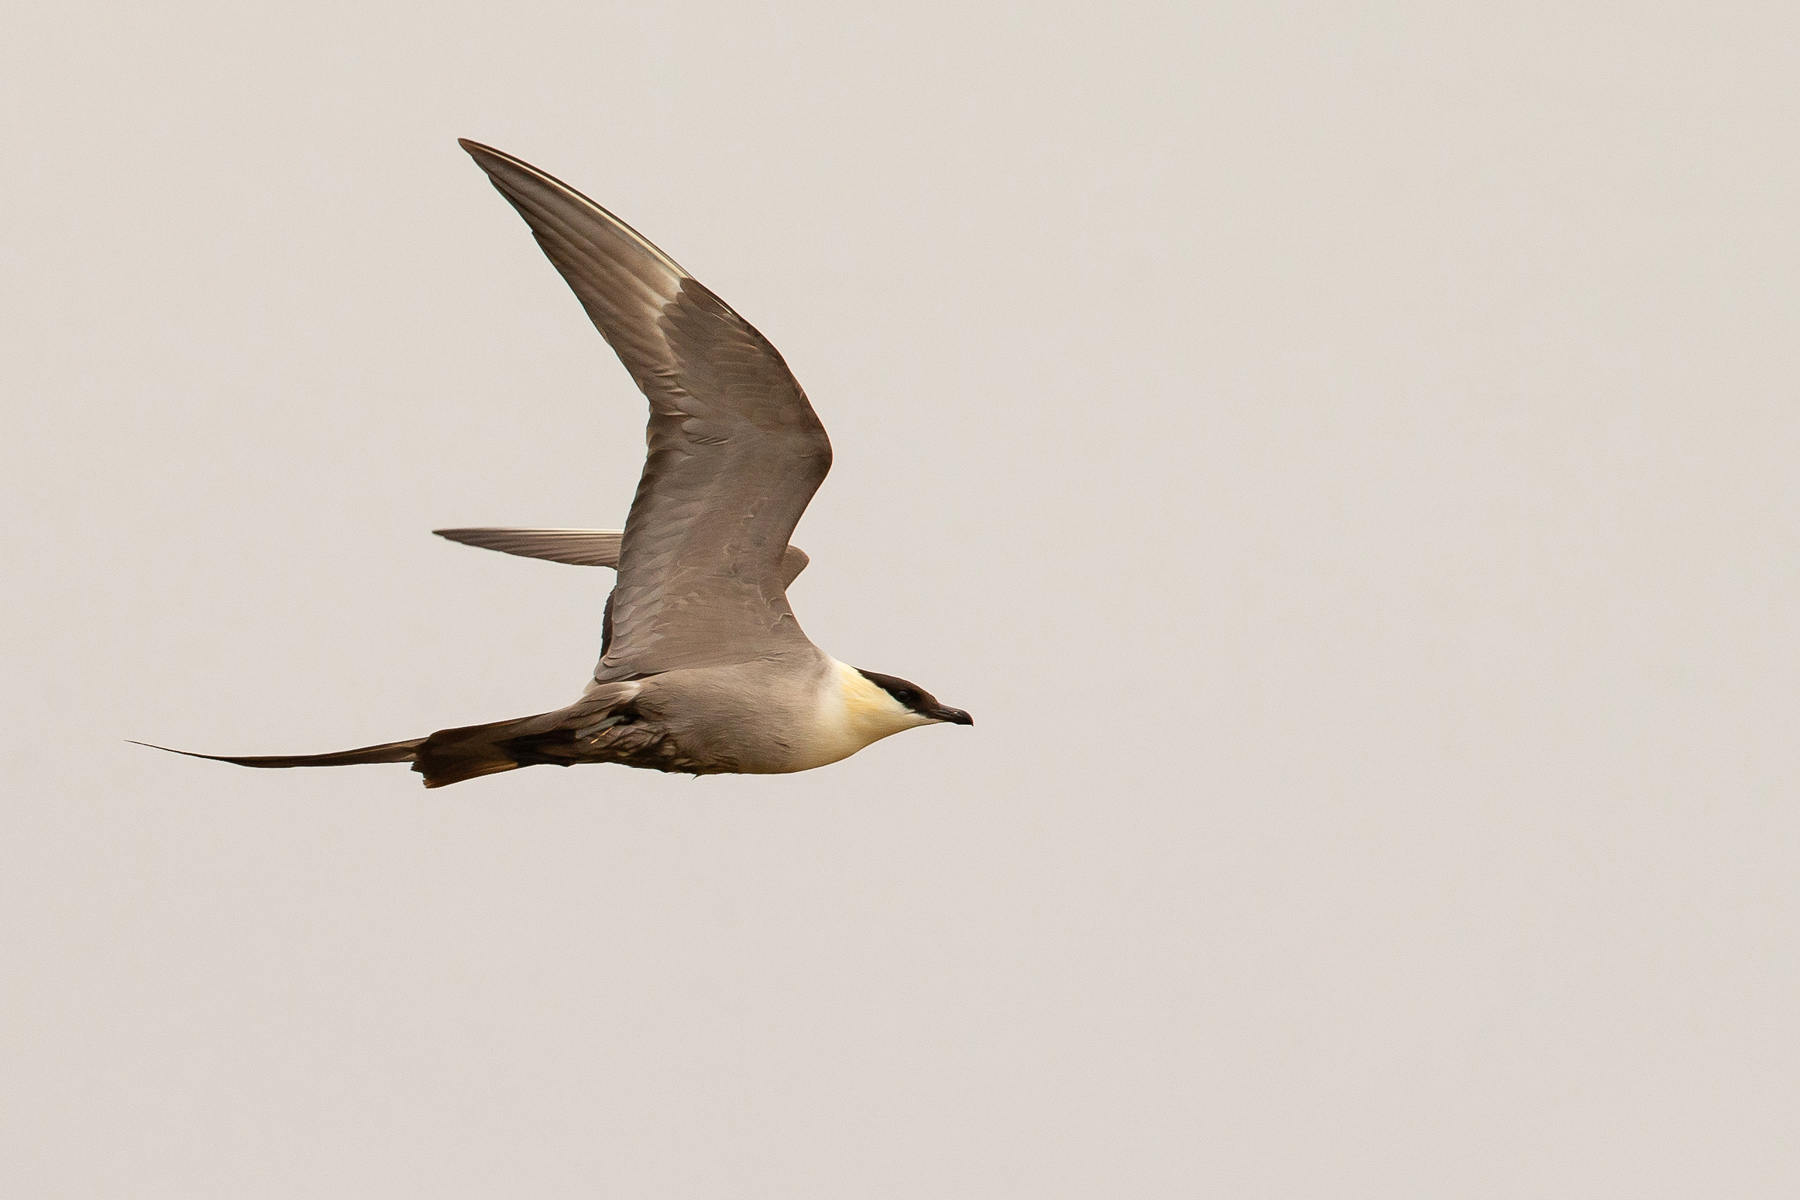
703 668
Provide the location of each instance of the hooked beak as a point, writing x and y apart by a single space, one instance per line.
953 716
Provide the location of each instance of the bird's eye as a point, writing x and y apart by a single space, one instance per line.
907 697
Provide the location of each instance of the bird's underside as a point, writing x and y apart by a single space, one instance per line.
703 667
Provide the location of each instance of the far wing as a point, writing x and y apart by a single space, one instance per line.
736 451
580 547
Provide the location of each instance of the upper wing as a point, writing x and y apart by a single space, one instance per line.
736 451
580 547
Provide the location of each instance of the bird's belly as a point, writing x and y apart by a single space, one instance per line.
783 751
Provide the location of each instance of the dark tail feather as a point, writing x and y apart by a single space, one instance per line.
453 755
386 753
447 756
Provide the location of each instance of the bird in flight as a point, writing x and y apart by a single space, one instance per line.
703 668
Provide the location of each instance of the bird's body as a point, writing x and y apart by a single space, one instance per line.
765 717
703 667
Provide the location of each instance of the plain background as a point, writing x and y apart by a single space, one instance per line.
1343 455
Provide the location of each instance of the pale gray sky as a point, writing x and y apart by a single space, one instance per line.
1343 455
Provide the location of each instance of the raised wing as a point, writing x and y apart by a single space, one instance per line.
736 451
580 547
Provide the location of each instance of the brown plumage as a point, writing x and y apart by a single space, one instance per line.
704 668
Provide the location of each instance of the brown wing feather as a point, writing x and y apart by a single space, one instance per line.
580 547
735 450
577 547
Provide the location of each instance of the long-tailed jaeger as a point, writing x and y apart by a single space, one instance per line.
703 668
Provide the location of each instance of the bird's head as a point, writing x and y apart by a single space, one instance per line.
916 699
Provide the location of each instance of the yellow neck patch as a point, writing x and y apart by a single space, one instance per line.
863 698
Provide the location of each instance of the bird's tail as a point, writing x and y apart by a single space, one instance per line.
453 755
385 753
445 757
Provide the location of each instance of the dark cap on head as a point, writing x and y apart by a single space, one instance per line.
916 698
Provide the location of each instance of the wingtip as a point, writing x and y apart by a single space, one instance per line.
480 151
459 536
